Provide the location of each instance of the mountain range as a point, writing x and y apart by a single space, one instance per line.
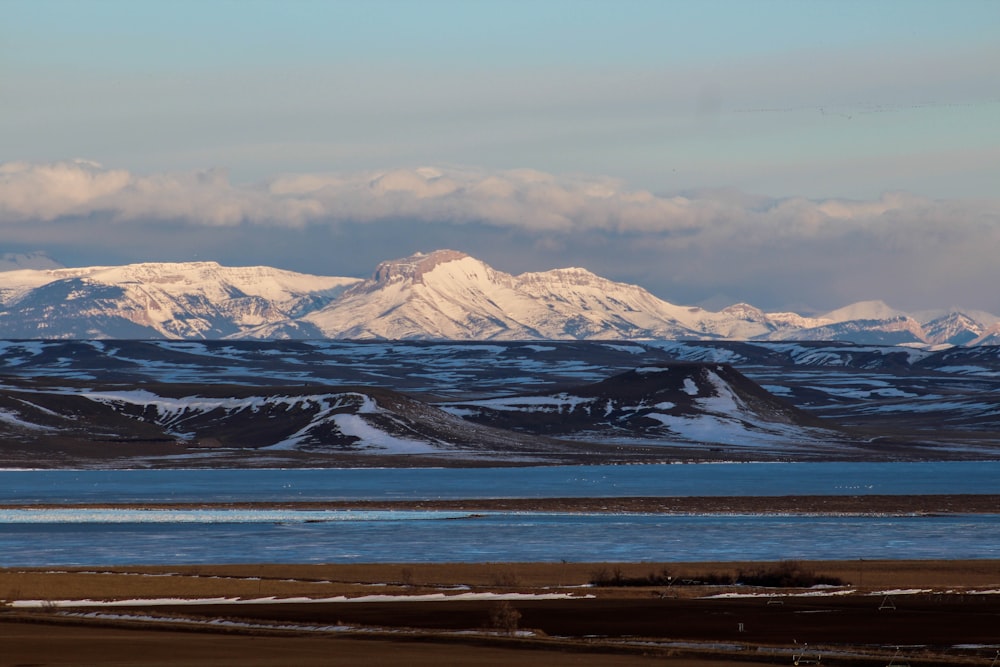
444 294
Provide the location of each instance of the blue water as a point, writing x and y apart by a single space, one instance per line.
739 479
504 537
88 538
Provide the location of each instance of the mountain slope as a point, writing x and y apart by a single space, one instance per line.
186 300
208 425
700 404
451 295
325 402
444 295
441 295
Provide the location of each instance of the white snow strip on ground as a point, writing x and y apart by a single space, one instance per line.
538 348
527 403
828 591
14 419
369 436
818 592
297 627
170 602
630 349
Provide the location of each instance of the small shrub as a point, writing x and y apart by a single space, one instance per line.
504 618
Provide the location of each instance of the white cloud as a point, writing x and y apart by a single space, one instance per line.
827 252
528 200
47 191
81 188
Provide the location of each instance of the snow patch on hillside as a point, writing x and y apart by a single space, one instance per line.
368 436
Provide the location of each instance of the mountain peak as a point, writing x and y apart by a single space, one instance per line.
414 266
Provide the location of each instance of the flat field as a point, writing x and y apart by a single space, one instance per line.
941 612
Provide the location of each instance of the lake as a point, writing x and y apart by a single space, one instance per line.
78 536
496 537
737 479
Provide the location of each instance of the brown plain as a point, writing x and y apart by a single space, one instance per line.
570 632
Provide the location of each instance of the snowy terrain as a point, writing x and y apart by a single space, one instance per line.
678 403
327 403
441 295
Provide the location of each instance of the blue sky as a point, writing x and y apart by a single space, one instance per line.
707 101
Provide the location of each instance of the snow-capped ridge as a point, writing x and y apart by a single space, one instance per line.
156 299
444 294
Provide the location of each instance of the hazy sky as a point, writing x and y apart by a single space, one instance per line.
794 154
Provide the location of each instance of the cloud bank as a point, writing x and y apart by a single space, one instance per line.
909 250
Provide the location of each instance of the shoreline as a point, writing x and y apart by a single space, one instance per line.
435 614
838 505
933 608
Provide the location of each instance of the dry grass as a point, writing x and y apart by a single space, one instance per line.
366 579
59 640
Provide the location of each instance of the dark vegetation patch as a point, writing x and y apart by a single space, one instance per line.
784 574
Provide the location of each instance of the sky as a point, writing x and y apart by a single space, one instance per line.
795 154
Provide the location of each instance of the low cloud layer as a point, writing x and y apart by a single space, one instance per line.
911 251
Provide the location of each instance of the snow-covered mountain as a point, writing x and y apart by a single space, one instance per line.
447 294
156 300
450 295
441 295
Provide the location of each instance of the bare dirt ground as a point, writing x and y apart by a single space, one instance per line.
37 645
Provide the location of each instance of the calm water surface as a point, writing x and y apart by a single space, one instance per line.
502 537
89 538
740 479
